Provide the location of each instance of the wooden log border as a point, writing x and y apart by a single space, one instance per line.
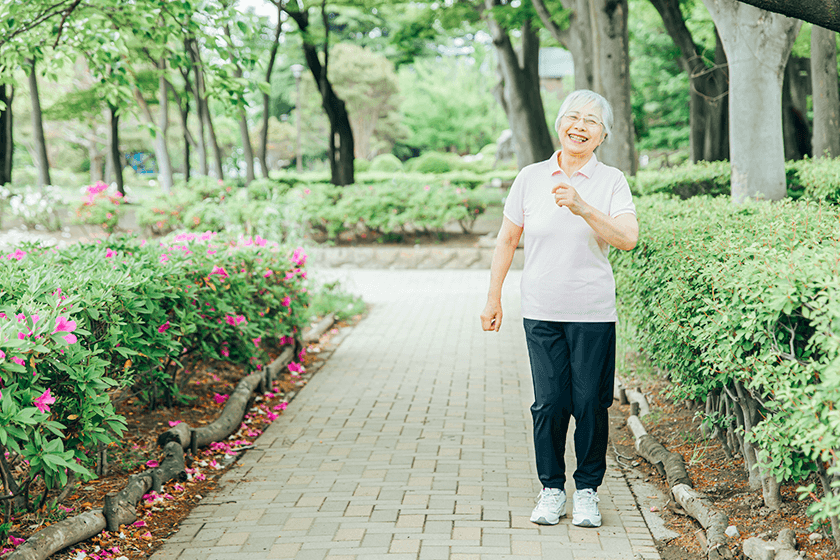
672 467
120 508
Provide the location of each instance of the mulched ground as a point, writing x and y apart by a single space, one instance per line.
724 480
159 516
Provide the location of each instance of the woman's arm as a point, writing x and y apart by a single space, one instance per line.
622 232
506 243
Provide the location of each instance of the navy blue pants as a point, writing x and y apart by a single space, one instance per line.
573 367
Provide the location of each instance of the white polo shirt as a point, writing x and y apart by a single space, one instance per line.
567 276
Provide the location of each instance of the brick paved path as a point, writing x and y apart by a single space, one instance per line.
413 442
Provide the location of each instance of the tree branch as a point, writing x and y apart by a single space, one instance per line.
825 13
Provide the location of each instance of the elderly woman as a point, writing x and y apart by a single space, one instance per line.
571 208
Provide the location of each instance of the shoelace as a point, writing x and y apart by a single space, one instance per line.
549 498
588 498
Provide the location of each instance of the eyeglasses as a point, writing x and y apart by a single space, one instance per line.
588 120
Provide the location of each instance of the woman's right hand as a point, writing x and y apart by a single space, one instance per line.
491 317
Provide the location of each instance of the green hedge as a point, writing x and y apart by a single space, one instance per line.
80 323
722 295
813 179
388 204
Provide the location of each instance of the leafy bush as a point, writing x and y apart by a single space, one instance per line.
399 206
742 300
37 208
685 181
78 324
388 163
820 179
100 208
360 165
432 162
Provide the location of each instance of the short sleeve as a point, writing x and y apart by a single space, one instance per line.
622 200
515 202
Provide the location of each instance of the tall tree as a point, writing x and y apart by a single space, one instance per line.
6 136
266 94
518 90
824 91
341 143
708 84
757 45
612 79
41 161
596 33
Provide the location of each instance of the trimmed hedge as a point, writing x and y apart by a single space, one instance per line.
78 324
743 301
815 179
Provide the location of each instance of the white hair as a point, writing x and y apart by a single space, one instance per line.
581 98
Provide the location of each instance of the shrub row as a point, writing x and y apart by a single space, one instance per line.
741 302
815 179
79 324
275 209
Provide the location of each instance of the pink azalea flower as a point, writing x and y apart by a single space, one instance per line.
299 256
17 255
225 352
287 301
16 541
220 399
175 423
2 354
109 253
43 402
19 361
257 341
295 367
271 416
281 406
200 476
267 274
260 241
163 258
152 464
218 270
163 327
63 325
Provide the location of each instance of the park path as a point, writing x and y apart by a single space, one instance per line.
413 442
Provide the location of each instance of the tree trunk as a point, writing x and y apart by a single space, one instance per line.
41 161
824 91
247 149
214 143
114 149
715 84
609 23
795 90
188 140
192 49
341 144
575 37
757 46
204 116
263 155
707 87
161 144
520 90
6 137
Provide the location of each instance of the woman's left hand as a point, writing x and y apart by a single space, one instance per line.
566 195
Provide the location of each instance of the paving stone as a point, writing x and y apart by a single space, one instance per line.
413 441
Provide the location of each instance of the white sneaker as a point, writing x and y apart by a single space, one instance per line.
585 510
550 507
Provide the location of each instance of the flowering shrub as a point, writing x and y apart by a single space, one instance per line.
100 208
37 208
78 324
739 304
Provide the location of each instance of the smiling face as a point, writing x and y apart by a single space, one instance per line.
581 131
